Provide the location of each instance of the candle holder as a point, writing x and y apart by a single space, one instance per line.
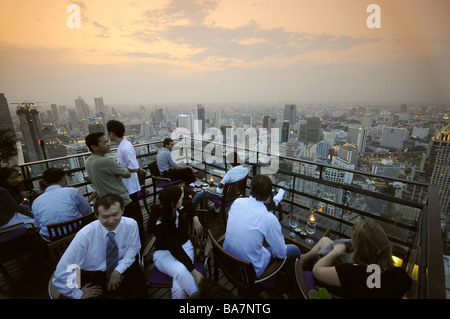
311 227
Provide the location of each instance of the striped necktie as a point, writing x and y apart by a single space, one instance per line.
112 254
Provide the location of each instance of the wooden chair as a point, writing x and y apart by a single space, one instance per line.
158 180
241 273
157 279
60 230
142 194
57 249
305 280
15 242
231 192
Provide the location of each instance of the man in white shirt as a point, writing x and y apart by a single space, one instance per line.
250 223
89 251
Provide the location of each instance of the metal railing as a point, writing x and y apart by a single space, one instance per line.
417 241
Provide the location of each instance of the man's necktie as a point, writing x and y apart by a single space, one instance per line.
112 254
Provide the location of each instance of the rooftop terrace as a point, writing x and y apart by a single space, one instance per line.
409 215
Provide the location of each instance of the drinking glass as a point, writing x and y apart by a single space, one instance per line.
293 222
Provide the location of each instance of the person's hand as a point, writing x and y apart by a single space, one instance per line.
114 281
90 291
198 228
339 249
197 276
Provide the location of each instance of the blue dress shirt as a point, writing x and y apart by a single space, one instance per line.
58 204
249 223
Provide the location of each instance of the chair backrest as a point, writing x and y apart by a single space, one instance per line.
153 168
60 230
234 190
239 272
58 247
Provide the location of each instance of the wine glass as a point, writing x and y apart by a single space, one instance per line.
311 227
293 222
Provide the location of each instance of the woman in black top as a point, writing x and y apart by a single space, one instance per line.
10 211
174 253
360 279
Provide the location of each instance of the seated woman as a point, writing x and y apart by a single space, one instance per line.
370 246
11 212
174 253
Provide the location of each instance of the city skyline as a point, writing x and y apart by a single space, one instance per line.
204 52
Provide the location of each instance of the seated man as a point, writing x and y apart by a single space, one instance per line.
105 252
168 168
233 175
58 203
250 223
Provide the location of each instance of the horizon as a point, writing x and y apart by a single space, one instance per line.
179 52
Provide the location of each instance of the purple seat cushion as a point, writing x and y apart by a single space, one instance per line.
157 277
10 235
165 184
309 280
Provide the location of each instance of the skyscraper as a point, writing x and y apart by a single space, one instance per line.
436 166
285 132
55 115
310 132
5 115
30 126
290 113
201 116
393 137
99 106
82 108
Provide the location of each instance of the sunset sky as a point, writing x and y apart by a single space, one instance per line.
206 51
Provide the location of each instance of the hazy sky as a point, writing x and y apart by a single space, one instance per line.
200 51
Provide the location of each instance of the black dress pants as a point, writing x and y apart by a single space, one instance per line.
132 287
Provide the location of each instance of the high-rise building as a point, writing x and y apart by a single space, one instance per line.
362 139
290 113
323 149
436 167
285 132
82 108
186 120
55 115
5 115
302 185
267 123
201 116
393 137
30 126
99 106
310 131
217 119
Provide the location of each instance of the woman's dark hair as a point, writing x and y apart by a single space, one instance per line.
108 200
92 139
261 187
116 127
5 173
168 197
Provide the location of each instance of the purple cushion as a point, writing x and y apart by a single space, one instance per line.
166 183
15 233
157 277
309 280
139 193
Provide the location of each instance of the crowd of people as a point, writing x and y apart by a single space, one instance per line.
106 249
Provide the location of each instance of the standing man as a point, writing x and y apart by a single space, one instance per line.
105 252
106 176
126 156
58 203
168 168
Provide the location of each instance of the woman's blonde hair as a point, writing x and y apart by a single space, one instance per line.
371 245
